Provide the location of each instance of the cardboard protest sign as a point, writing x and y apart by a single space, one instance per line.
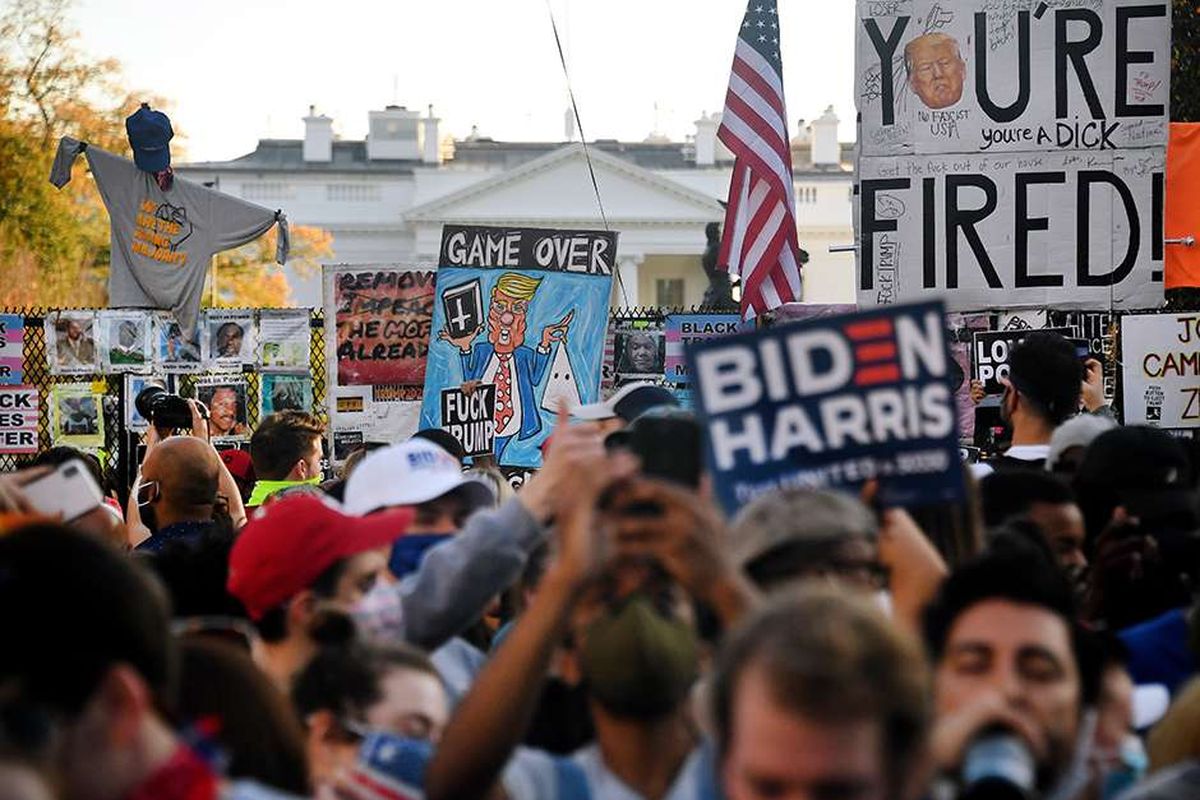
990 352
18 419
377 321
682 329
538 291
1012 153
228 339
832 403
284 340
71 342
1160 357
12 349
471 418
77 416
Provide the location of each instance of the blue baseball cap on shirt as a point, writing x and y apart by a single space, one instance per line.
149 131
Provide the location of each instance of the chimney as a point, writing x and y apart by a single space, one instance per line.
826 151
318 137
706 139
431 148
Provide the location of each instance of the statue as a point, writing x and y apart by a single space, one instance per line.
719 294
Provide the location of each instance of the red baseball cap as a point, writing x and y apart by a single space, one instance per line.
290 543
239 464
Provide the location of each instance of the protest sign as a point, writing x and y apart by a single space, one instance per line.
77 416
831 403
125 341
225 396
1012 153
12 349
18 419
284 340
508 300
1160 357
71 342
282 392
682 329
471 418
991 349
228 339
377 321
173 351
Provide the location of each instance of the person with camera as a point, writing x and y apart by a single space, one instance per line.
183 491
1012 685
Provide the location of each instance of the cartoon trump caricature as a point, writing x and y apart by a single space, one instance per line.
506 362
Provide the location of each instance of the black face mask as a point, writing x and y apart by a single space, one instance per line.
561 723
149 517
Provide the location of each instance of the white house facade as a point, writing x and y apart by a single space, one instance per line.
384 199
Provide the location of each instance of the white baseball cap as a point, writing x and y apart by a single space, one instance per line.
409 474
629 403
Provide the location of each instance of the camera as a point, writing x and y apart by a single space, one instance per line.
163 409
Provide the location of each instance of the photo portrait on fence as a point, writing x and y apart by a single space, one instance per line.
173 350
228 338
226 401
77 415
282 392
72 339
124 340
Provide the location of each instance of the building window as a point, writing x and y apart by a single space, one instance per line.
669 292
352 193
807 195
266 190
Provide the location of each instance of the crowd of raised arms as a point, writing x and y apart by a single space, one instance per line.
415 628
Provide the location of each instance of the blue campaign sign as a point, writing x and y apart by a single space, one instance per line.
525 311
831 403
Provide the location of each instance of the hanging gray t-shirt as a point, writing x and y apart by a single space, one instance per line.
163 242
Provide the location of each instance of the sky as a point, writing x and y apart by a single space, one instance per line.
241 70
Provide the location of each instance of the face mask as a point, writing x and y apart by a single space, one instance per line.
380 613
637 662
1126 769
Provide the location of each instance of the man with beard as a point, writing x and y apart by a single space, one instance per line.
1009 672
74 346
936 70
505 362
1042 390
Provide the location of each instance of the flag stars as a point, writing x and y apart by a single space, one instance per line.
761 24
762 38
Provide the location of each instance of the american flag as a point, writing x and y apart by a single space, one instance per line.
758 242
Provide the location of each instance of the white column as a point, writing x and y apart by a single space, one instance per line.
627 276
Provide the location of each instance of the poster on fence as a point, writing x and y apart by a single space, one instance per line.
832 403
682 329
77 415
1160 357
1012 153
71 342
12 349
228 339
173 351
18 420
134 384
372 414
226 398
640 349
125 341
285 340
512 302
283 392
377 323
990 354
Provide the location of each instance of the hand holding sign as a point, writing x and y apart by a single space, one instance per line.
463 342
1093 385
558 331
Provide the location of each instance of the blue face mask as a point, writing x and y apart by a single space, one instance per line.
1128 768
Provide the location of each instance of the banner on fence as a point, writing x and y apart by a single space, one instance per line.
1160 357
683 329
12 349
1012 153
377 322
18 419
507 300
832 403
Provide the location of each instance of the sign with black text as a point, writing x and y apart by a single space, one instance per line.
991 349
1160 357
18 419
832 403
1012 152
470 418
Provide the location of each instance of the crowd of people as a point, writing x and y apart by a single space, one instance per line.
248 627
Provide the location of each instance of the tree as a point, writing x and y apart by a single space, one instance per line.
1185 61
248 277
